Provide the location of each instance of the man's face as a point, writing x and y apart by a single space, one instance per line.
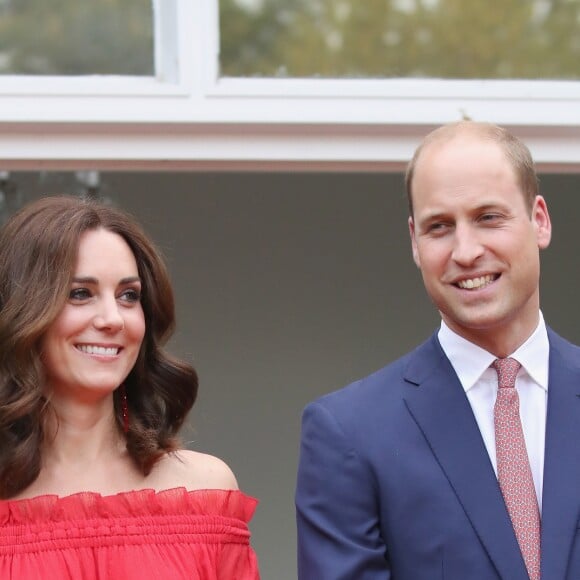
475 241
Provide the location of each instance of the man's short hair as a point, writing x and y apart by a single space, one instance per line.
516 152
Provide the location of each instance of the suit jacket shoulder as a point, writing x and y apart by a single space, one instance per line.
378 397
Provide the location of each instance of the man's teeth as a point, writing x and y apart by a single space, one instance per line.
102 350
476 282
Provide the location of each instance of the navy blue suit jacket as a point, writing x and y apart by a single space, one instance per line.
395 483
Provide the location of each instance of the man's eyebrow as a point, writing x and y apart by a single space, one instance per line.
443 215
432 217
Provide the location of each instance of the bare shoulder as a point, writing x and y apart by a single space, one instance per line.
194 470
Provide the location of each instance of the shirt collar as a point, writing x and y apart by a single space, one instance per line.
470 361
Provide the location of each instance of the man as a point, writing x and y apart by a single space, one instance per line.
416 472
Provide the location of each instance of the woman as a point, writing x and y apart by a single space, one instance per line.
92 480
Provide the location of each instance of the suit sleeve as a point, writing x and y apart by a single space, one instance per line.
336 506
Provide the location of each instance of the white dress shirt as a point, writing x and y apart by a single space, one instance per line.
472 365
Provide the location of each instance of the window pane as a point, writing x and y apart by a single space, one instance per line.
458 39
70 37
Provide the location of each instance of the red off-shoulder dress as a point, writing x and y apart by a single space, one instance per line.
139 535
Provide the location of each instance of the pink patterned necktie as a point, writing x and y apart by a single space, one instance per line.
513 466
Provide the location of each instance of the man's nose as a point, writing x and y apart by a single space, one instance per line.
467 246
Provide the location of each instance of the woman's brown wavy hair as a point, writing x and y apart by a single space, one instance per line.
38 251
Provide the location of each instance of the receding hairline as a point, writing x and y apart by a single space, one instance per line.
482 131
460 129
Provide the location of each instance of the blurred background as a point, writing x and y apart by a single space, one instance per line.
536 39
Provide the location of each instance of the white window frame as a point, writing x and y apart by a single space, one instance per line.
188 117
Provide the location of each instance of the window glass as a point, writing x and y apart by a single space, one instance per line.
70 37
457 39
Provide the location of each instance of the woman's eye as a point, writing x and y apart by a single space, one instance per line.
131 296
79 294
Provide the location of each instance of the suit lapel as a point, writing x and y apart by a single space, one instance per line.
442 412
561 489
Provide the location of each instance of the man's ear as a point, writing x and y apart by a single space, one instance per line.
542 222
414 242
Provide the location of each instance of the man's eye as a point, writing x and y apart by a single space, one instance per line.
79 294
489 217
436 227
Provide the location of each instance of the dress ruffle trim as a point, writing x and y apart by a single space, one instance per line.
145 502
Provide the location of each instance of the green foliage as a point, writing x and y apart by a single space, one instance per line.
402 38
294 38
76 37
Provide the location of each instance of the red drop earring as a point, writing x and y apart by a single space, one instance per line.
124 409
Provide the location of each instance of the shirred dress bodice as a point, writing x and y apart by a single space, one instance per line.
138 535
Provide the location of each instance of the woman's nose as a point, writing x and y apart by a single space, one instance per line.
109 316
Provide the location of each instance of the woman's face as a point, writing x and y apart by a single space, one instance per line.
94 342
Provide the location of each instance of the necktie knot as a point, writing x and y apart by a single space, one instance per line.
507 370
